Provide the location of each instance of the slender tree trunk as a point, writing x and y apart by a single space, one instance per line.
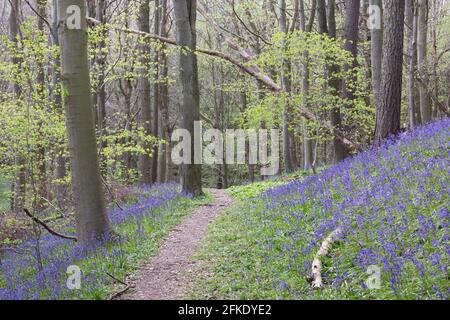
307 142
185 21
351 41
339 149
100 95
164 106
422 38
351 30
143 91
156 92
41 6
376 35
411 20
90 208
322 16
388 107
286 85
57 102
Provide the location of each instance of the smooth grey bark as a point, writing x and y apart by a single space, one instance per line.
376 43
411 21
143 92
156 91
286 85
90 208
101 61
389 103
163 154
185 22
422 38
57 103
308 154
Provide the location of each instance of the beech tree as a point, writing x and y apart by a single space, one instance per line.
185 20
90 208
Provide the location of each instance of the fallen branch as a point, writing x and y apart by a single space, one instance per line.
121 292
46 227
251 69
316 268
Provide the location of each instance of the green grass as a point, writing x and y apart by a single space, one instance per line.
253 190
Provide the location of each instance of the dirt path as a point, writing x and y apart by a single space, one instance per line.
163 277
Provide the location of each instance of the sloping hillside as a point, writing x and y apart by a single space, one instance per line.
390 206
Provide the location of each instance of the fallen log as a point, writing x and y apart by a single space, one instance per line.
325 247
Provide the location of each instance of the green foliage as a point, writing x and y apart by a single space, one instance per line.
318 53
30 121
121 145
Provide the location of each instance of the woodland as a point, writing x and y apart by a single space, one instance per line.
337 189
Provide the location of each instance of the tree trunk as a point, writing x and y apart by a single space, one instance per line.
351 30
286 85
164 106
339 149
388 106
322 16
422 29
100 95
156 93
185 20
57 101
90 208
411 20
307 143
41 6
376 50
143 91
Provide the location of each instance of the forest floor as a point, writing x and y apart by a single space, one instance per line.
165 276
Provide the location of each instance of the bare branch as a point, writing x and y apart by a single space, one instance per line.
46 227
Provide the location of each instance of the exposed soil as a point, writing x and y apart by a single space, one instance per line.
164 277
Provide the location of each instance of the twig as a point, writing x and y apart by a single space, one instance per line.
54 207
39 15
46 227
110 192
114 278
247 28
121 292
